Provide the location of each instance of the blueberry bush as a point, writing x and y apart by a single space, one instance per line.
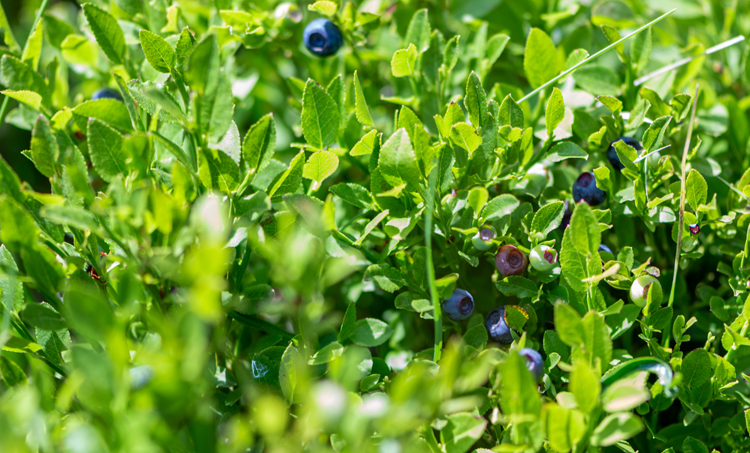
374 226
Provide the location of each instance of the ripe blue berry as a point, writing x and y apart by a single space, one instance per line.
614 159
497 328
566 218
604 248
534 362
459 306
106 93
322 37
543 258
585 189
483 239
510 261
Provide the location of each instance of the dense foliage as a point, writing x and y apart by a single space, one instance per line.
377 226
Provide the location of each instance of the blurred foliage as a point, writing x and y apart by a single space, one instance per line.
248 252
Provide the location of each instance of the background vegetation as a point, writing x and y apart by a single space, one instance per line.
248 252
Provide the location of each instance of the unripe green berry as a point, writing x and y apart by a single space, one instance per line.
640 288
543 258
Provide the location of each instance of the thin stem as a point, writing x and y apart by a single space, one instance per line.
430 206
595 56
685 150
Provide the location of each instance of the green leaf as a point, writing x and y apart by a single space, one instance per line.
33 49
324 7
585 385
326 354
466 136
290 368
499 207
370 332
290 181
106 150
693 445
654 135
566 150
696 368
360 105
71 216
142 93
517 286
418 32
579 256
30 98
7 32
386 277
476 336
541 60
564 427
158 52
555 111
569 326
204 75
44 149
397 161
613 36
337 90
11 288
476 101
365 146
348 324
21 77
320 116
612 103
42 316
597 79
450 55
218 171
616 428
548 217
354 194
107 32
624 396
640 50
696 190
461 431
598 344
11 373
403 61
371 226
184 47
111 111
510 113
259 144
519 394
320 166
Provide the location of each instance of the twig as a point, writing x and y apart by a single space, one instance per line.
684 61
678 253
596 55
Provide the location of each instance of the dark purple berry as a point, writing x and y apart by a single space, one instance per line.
534 362
612 156
585 189
510 261
497 328
459 306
